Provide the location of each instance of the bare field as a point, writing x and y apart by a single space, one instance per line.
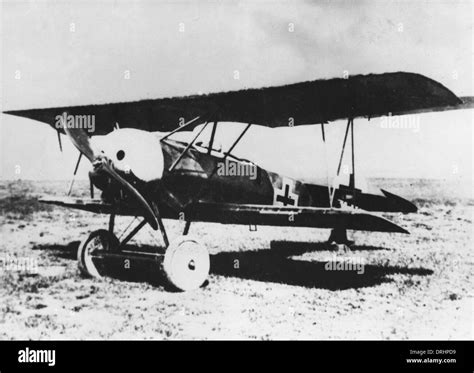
269 284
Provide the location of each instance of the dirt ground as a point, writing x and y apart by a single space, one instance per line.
269 284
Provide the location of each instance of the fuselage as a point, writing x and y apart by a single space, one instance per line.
159 171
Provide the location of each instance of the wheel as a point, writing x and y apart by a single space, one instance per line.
97 241
186 263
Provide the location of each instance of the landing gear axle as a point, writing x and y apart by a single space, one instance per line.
185 263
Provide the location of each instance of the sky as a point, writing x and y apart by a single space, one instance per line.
82 52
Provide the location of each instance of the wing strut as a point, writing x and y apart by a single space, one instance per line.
204 187
180 128
213 134
327 166
74 174
352 177
181 156
350 125
59 141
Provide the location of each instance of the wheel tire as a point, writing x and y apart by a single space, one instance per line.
99 240
186 263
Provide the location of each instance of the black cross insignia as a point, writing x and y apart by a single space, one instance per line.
286 199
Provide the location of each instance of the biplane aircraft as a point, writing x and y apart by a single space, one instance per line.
156 177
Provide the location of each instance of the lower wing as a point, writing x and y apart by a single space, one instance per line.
354 219
228 213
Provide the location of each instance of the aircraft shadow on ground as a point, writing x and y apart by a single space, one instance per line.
275 265
68 251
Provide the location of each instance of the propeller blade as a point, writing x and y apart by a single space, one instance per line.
81 141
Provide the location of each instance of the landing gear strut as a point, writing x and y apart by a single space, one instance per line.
185 263
338 239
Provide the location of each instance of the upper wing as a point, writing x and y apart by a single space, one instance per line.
301 103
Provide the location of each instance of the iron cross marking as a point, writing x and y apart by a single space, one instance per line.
286 199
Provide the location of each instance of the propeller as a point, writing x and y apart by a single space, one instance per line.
100 162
